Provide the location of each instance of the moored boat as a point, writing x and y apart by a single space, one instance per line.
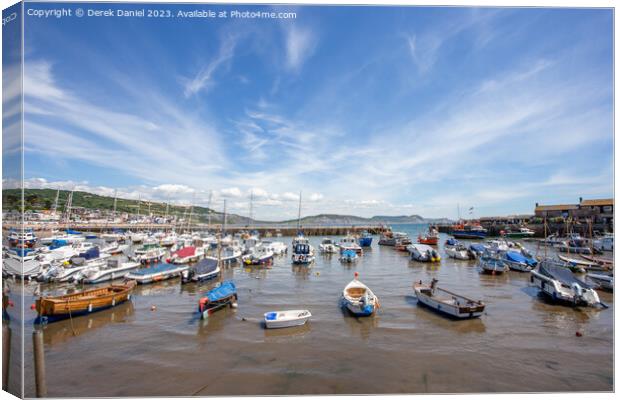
148 253
303 253
156 273
359 299
518 262
349 243
468 231
19 265
22 238
224 294
455 249
423 253
447 302
491 263
561 286
328 246
365 239
203 271
186 254
431 238
602 281
476 250
51 308
519 233
258 256
348 256
286 319
114 269
582 265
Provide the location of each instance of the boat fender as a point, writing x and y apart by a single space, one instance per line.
90 307
531 278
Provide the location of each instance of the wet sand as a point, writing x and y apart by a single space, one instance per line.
521 343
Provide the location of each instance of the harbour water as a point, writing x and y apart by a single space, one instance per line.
520 344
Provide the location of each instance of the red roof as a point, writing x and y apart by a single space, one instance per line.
185 252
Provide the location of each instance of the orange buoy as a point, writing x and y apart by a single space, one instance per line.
33 307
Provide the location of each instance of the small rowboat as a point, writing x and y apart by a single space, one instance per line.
359 299
585 265
599 260
52 308
286 319
225 294
602 281
449 303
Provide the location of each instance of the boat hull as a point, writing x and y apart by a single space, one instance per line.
365 241
450 310
61 307
468 235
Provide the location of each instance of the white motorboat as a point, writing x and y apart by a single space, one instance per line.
561 285
149 253
20 266
423 252
454 249
114 269
286 319
350 243
303 253
277 248
359 299
328 246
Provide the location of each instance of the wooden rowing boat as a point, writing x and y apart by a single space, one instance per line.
50 308
598 260
447 302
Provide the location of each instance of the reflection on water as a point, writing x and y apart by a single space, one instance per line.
67 329
155 344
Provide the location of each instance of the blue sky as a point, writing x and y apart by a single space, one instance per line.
366 110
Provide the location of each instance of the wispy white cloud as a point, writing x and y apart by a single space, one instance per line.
204 78
300 43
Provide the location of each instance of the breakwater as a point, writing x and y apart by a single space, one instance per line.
263 230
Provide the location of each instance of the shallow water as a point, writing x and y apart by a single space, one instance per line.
521 343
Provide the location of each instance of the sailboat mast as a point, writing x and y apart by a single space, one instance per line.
115 199
209 210
55 210
191 212
224 225
299 213
251 206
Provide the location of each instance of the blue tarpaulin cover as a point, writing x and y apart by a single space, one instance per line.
477 247
349 253
518 257
225 290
